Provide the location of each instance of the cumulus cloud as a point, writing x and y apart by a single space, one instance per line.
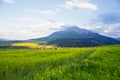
68 5
79 4
8 1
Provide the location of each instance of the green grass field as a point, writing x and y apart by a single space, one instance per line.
26 44
95 63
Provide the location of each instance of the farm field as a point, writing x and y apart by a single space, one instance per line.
94 63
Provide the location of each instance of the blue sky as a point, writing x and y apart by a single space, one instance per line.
26 19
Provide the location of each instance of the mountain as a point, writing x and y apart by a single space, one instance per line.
72 36
1 39
118 39
6 41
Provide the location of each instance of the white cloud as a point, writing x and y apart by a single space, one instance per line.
48 12
111 30
69 5
9 1
27 19
33 28
30 20
79 4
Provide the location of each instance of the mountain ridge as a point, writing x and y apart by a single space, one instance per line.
72 36
1 39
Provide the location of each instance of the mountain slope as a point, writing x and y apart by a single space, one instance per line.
118 39
1 39
71 32
77 37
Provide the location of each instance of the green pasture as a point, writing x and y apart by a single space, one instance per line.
94 63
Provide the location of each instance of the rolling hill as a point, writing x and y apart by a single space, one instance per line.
77 37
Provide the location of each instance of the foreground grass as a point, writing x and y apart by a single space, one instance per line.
101 63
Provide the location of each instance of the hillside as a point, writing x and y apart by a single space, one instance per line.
8 43
118 39
95 63
77 37
1 39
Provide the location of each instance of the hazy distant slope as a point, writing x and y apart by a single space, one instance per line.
1 39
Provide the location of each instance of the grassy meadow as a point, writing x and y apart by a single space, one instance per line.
94 63
26 44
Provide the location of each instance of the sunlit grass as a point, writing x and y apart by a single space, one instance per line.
26 44
97 63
